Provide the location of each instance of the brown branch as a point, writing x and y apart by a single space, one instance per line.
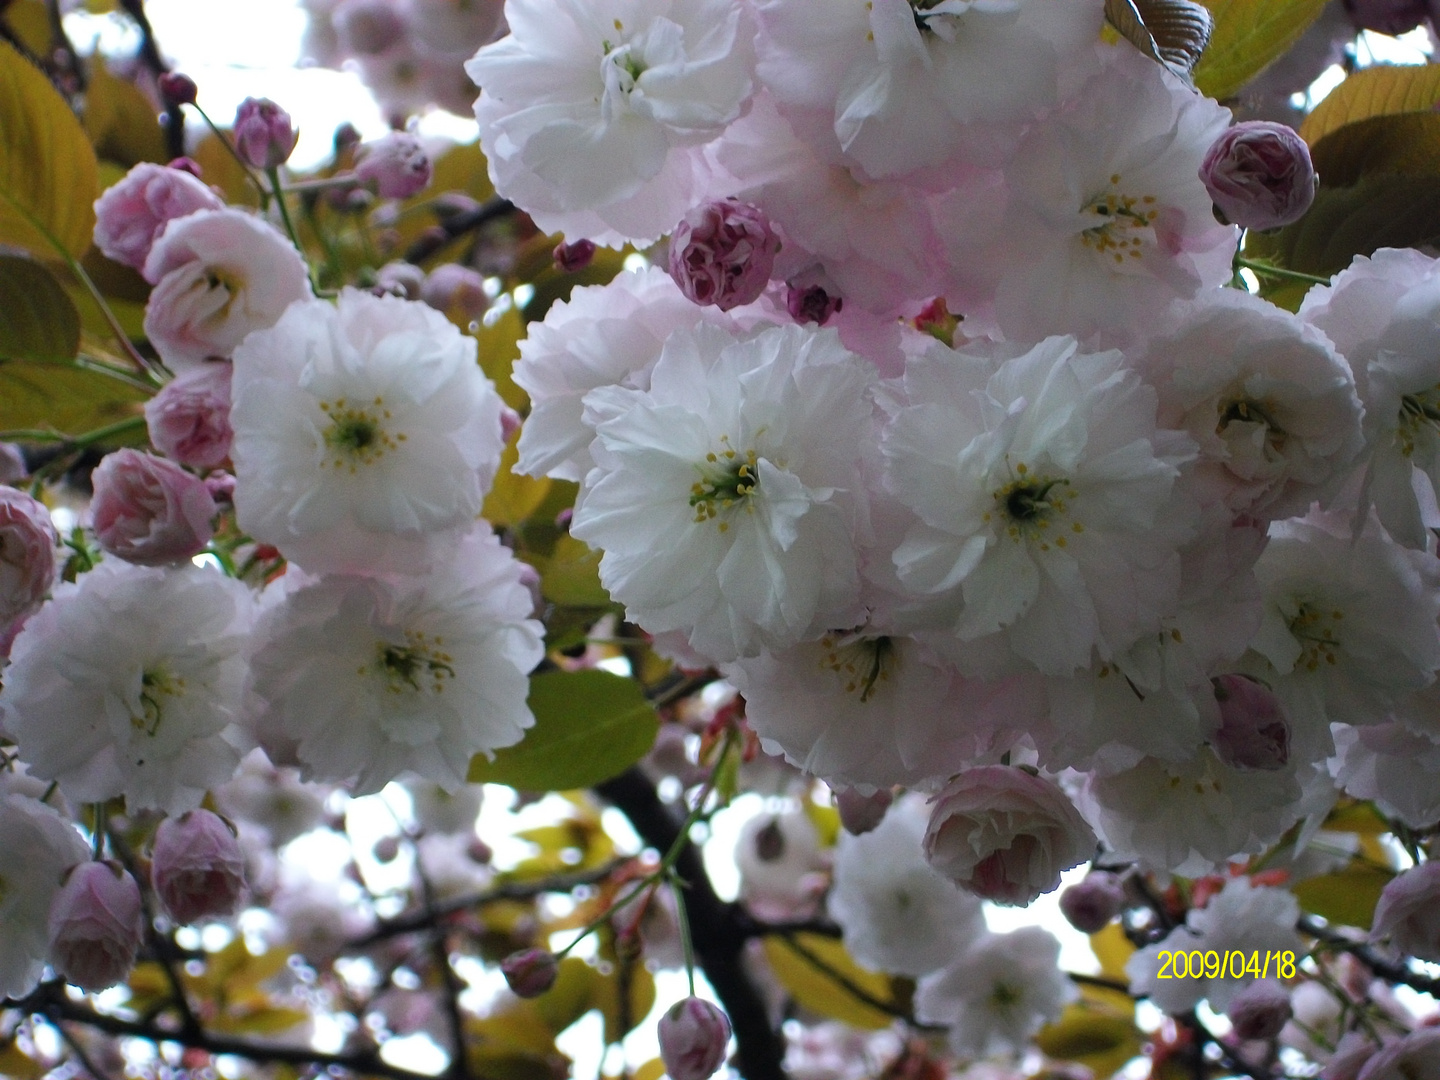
150 56
1394 971
456 226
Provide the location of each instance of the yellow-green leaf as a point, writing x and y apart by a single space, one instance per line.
48 175
220 169
63 398
31 23
121 122
1249 36
1094 1037
1404 145
1382 90
499 349
37 319
589 726
1348 896
570 575
1113 949
15 1064
606 998
820 992
514 497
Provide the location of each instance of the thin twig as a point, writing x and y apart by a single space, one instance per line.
456 226
854 989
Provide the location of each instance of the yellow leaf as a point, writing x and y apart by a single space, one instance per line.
819 991
1090 1036
15 1065
653 1069
48 175
265 1020
1404 145
1356 817
31 23
1348 896
1375 91
121 122
1113 949
219 168
1249 36
499 349
514 497
606 998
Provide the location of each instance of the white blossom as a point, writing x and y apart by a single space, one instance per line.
365 434
128 683
370 677
726 498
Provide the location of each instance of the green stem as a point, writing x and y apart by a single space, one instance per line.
677 888
1280 272
230 147
97 832
322 183
274 175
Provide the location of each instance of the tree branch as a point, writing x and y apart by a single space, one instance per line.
1394 971
718 928
456 226
150 56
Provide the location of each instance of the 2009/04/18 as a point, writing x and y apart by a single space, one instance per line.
1210 965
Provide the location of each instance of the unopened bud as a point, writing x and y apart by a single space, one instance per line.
530 972
400 279
197 867
177 89
264 133
693 1035
722 253
1259 175
186 164
150 511
1254 731
456 290
221 486
575 257
1260 1010
1090 904
396 165
810 300
96 925
862 813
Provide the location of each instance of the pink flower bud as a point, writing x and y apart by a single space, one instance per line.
1394 17
395 164
810 300
367 27
221 486
1409 913
1005 834
178 89
189 420
264 133
133 212
96 926
1259 174
400 279
530 972
148 510
1254 731
1089 905
693 1035
27 555
12 463
197 867
722 254
575 257
859 813
186 165
1260 1010
456 290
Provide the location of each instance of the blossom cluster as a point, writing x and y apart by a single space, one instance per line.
946 437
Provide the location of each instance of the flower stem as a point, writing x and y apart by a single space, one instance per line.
1279 272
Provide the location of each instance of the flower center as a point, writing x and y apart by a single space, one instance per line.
1317 631
1005 996
1418 412
861 662
155 687
357 435
1121 225
726 479
420 664
1247 411
1029 506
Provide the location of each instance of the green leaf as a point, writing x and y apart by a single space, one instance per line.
570 575
1403 145
589 726
1092 1035
1249 36
1379 211
1174 32
37 319
1375 91
63 398
48 175
1348 896
121 123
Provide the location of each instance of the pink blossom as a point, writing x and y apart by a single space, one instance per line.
1089 905
861 813
197 867
150 511
189 420
1254 731
1260 174
693 1034
722 254
1260 1010
264 133
1409 912
396 164
530 972
132 213
1005 834
27 555
574 257
455 290
96 925
367 27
